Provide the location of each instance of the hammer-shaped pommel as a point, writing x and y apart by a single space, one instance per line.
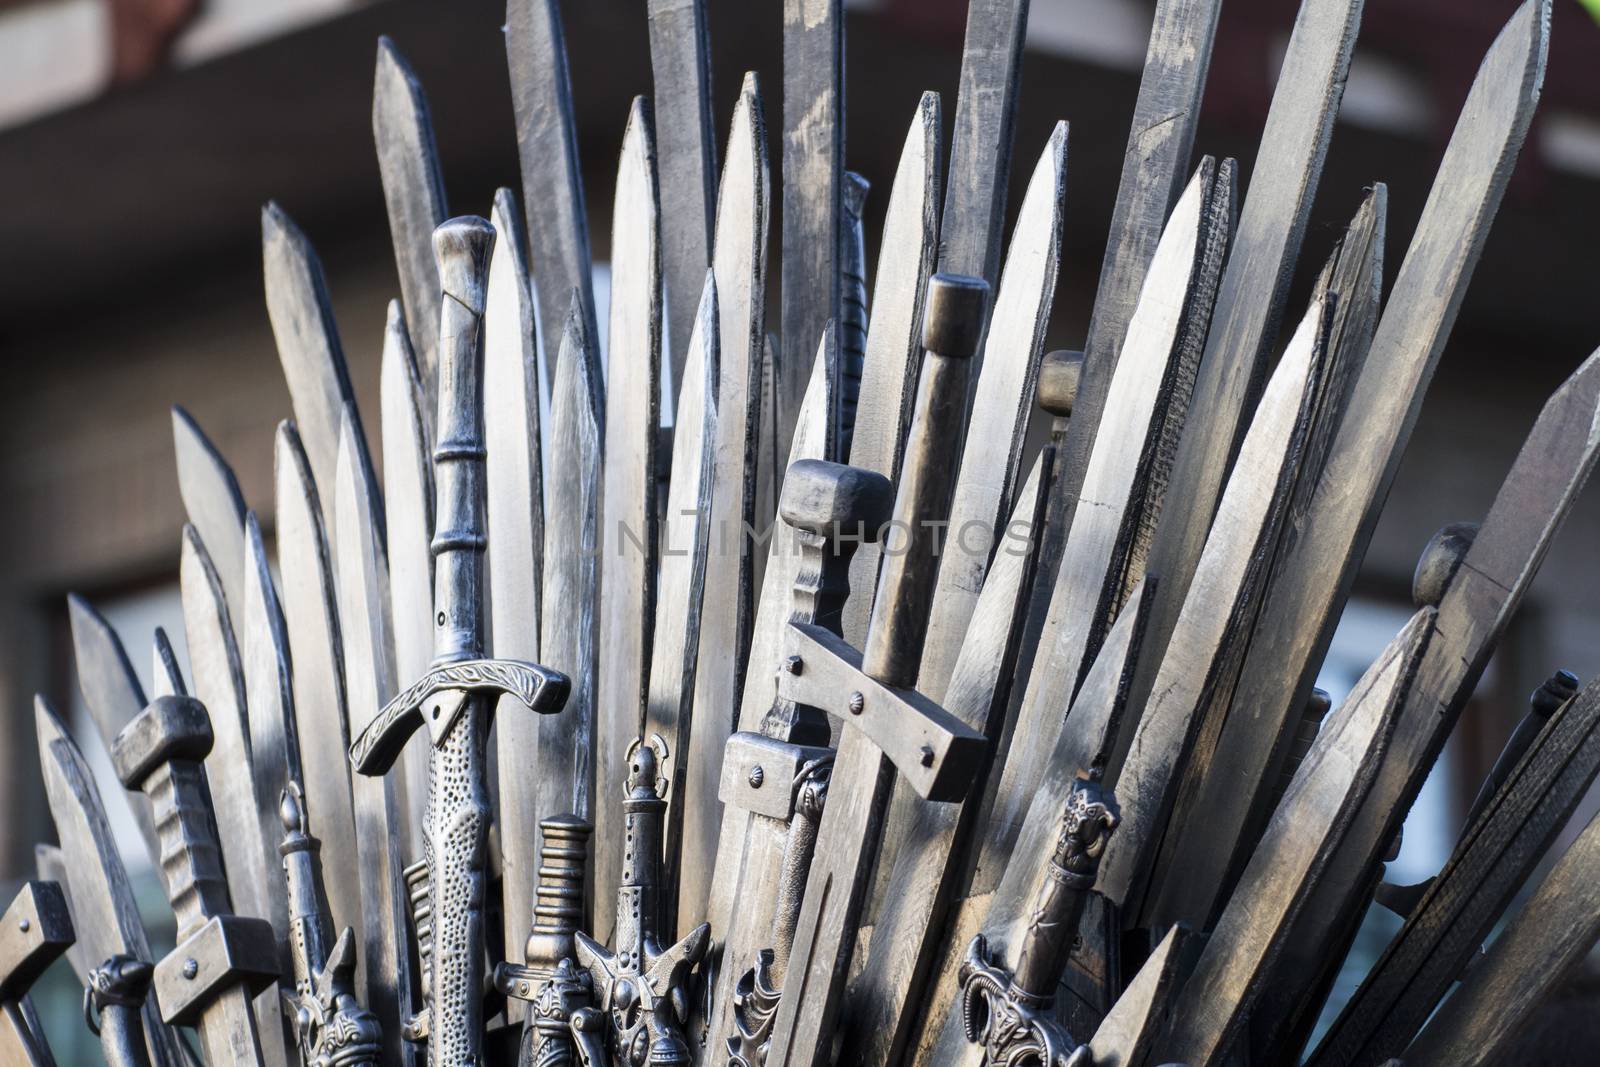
830 499
170 728
953 317
34 932
461 247
1059 374
1440 560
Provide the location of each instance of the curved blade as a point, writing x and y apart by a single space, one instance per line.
681 65
308 342
1304 831
104 912
369 683
408 580
250 858
515 558
920 852
628 585
894 334
564 744
112 693
680 591
552 184
213 501
413 189
725 617
1001 405
317 654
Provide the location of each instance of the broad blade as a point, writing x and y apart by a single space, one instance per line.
104 912
1303 833
316 649
627 589
369 682
552 184
680 591
515 493
1001 406
213 501
681 64
413 189
740 266
111 692
308 343
894 334
1142 1012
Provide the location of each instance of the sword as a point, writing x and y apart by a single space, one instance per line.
852 302
453 699
34 932
213 502
887 727
167 678
221 960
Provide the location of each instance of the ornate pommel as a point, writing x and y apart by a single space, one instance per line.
644 812
461 248
1059 374
113 997
954 315
330 1025
1553 692
1010 1014
1440 560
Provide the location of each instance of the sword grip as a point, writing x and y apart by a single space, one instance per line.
461 246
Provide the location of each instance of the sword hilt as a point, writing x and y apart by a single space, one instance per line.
113 1001
159 754
461 246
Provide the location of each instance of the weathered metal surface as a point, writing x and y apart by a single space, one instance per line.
552 185
680 64
739 265
628 537
104 913
852 301
893 356
405 511
384 965
114 995
309 351
514 484
1142 1012
35 930
167 678
812 191
1001 404
316 651
212 499
413 190
1299 841
681 581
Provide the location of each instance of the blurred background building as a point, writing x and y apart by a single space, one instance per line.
140 138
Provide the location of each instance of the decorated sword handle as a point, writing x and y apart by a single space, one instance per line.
114 994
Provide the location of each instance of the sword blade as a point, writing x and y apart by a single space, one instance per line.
552 184
104 912
813 175
515 495
168 677
628 562
50 864
740 267
681 581
1001 406
681 65
1143 1011
369 682
307 337
413 190
894 334
112 693
316 650
1303 833
407 632
214 504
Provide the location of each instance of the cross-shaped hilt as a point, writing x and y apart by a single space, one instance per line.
34 932
222 960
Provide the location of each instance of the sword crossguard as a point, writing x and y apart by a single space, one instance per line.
437 698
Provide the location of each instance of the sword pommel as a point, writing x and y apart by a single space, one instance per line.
833 500
170 728
953 318
1059 374
1440 560
462 247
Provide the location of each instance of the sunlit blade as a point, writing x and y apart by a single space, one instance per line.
212 499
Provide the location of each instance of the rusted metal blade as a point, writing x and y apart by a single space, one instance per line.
680 63
552 184
894 334
681 581
514 486
1300 839
112 693
628 557
212 499
316 651
413 189
739 264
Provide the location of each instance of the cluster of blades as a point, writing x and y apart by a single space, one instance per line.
1055 789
